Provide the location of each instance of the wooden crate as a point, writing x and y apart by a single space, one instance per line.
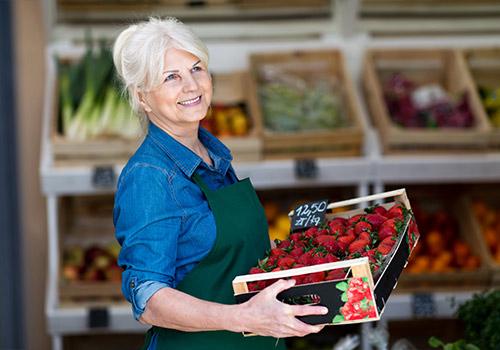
327 292
484 65
99 151
474 229
445 67
85 222
230 89
451 280
309 65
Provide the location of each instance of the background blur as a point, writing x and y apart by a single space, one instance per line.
355 134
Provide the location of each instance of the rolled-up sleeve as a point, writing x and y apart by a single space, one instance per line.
147 222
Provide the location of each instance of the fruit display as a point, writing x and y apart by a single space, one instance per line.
372 234
91 104
491 102
488 218
227 120
94 263
442 249
290 103
425 106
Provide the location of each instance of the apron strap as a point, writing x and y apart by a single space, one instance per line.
199 181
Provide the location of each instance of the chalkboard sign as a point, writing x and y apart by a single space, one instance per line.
103 177
423 305
309 214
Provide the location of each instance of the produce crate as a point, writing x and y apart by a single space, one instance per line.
475 229
334 294
88 251
99 151
232 89
308 67
484 65
444 67
451 278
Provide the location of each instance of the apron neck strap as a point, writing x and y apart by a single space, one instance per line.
198 180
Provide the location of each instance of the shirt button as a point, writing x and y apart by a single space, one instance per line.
132 284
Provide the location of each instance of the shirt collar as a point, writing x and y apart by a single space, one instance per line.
186 159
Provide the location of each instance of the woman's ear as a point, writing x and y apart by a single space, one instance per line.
144 103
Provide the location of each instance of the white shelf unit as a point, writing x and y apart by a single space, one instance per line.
371 169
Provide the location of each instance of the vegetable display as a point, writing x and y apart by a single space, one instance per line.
227 120
372 234
427 106
291 103
90 101
489 220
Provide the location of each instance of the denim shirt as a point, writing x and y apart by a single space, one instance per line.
161 217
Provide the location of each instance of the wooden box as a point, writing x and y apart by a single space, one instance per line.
334 294
308 67
99 151
88 251
445 67
484 65
450 278
475 230
232 89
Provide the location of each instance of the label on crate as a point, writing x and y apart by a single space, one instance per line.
309 214
306 169
103 177
423 305
98 317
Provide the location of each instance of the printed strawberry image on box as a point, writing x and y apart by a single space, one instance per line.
350 261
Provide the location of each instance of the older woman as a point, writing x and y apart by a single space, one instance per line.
186 224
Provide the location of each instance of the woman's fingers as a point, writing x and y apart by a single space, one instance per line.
279 286
304 310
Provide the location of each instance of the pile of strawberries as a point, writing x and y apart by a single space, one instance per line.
372 234
359 303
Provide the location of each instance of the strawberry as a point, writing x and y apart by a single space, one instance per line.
350 232
384 249
353 220
311 232
344 241
380 210
375 220
315 277
336 228
318 259
358 246
336 274
339 221
365 236
283 244
255 270
296 252
277 252
256 285
286 262
331 258
396 211
306 258
321 240
390 227
295 237
362 226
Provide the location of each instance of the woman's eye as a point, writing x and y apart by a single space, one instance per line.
170 77
197 69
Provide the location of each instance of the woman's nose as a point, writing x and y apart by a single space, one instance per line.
190 83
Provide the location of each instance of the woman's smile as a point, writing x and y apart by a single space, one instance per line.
190 103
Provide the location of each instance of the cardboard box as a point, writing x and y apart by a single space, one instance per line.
335 294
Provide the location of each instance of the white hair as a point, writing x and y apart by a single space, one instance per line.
139 53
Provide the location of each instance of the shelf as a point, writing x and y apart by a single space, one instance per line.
74 320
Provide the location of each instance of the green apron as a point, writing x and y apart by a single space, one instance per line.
242 238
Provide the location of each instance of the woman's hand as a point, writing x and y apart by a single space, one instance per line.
267 316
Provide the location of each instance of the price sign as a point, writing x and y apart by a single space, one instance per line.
103 177
309 215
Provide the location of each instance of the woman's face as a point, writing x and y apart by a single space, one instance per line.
185 93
